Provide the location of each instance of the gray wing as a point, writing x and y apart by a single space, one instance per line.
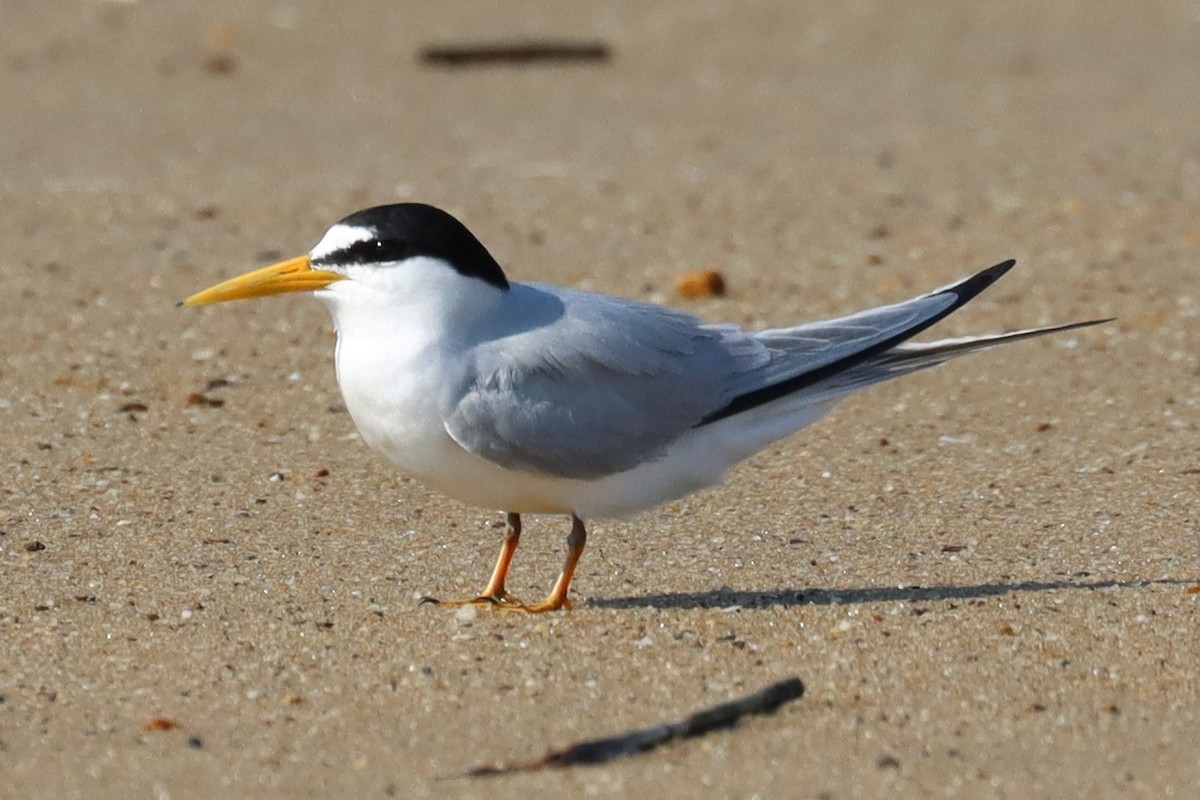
825 354
815 345
603 387
609 383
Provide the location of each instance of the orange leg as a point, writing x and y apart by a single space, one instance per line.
512 537
495 593
576 540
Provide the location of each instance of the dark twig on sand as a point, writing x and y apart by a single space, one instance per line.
520 53
598 751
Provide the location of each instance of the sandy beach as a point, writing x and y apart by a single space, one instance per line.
986 574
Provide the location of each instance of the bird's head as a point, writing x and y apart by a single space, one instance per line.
377 246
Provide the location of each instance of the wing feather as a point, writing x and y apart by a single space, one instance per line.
605 386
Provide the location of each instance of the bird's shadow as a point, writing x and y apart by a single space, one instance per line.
732 598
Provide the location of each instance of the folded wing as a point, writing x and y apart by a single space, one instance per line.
611 383
604 387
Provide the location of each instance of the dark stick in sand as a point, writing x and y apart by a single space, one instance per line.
515 53
598 751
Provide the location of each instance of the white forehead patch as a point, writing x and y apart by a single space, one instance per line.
339 237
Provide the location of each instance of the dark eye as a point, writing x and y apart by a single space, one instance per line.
374 251
391 250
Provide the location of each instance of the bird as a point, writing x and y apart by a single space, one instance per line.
540 399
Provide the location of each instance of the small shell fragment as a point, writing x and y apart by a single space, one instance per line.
701 283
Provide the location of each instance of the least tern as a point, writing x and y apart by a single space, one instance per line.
541 399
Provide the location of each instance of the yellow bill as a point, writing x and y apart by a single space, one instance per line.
293 275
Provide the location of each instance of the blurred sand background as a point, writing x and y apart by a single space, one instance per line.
986 574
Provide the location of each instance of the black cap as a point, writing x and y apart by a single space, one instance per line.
408 230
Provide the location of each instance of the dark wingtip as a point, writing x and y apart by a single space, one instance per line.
972 286
963 292
996 272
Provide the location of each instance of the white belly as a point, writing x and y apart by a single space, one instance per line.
396 410
405 425
394 397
